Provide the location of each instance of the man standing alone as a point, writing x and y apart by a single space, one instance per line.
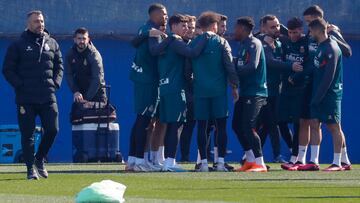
33 67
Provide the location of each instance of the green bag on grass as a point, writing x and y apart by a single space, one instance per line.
106 191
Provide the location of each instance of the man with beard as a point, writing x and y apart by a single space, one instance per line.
145 78
275 65
33 67
84 69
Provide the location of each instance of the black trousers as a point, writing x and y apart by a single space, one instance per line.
221 136
211 129
246 112
49 117
171 139
269 125
138 136
186 134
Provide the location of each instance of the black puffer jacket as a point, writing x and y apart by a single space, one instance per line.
33 66
85 73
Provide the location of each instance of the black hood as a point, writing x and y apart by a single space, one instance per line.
27 34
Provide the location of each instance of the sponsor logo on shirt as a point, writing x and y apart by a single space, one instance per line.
313 47
28 48
47 47
22 110
302 49
183 96
151 108
137 68
164 81
316 62
294 57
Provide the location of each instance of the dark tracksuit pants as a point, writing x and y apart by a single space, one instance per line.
27 114
246 112
171 139
211 129
186 134
220 124
269 125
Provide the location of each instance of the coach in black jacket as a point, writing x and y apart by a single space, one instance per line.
33 67
84 69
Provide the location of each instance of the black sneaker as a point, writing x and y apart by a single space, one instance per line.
31 174
279 159
197 166
228 167
40 167
242 162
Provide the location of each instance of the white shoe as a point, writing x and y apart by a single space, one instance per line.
221 168
142 168
157 164
153 167
203 168
129 166
175 168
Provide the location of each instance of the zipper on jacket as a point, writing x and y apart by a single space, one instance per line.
41 48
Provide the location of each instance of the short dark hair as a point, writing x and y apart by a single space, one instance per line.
191 18
37 12
81 30
294 23
261 21
267 18
223 17
314 10
155 7
176 19
247 22
320 24
207 18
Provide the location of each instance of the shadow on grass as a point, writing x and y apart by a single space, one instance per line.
12 179
292 179
69 171
324 197
247 188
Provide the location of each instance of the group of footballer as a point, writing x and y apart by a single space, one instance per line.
279 77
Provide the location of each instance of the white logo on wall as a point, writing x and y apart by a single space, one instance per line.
28 48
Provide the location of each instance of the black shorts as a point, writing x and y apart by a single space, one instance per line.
247 110
306 101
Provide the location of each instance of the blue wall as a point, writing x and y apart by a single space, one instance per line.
117 57
124 16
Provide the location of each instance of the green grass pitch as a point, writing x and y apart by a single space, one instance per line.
66 180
